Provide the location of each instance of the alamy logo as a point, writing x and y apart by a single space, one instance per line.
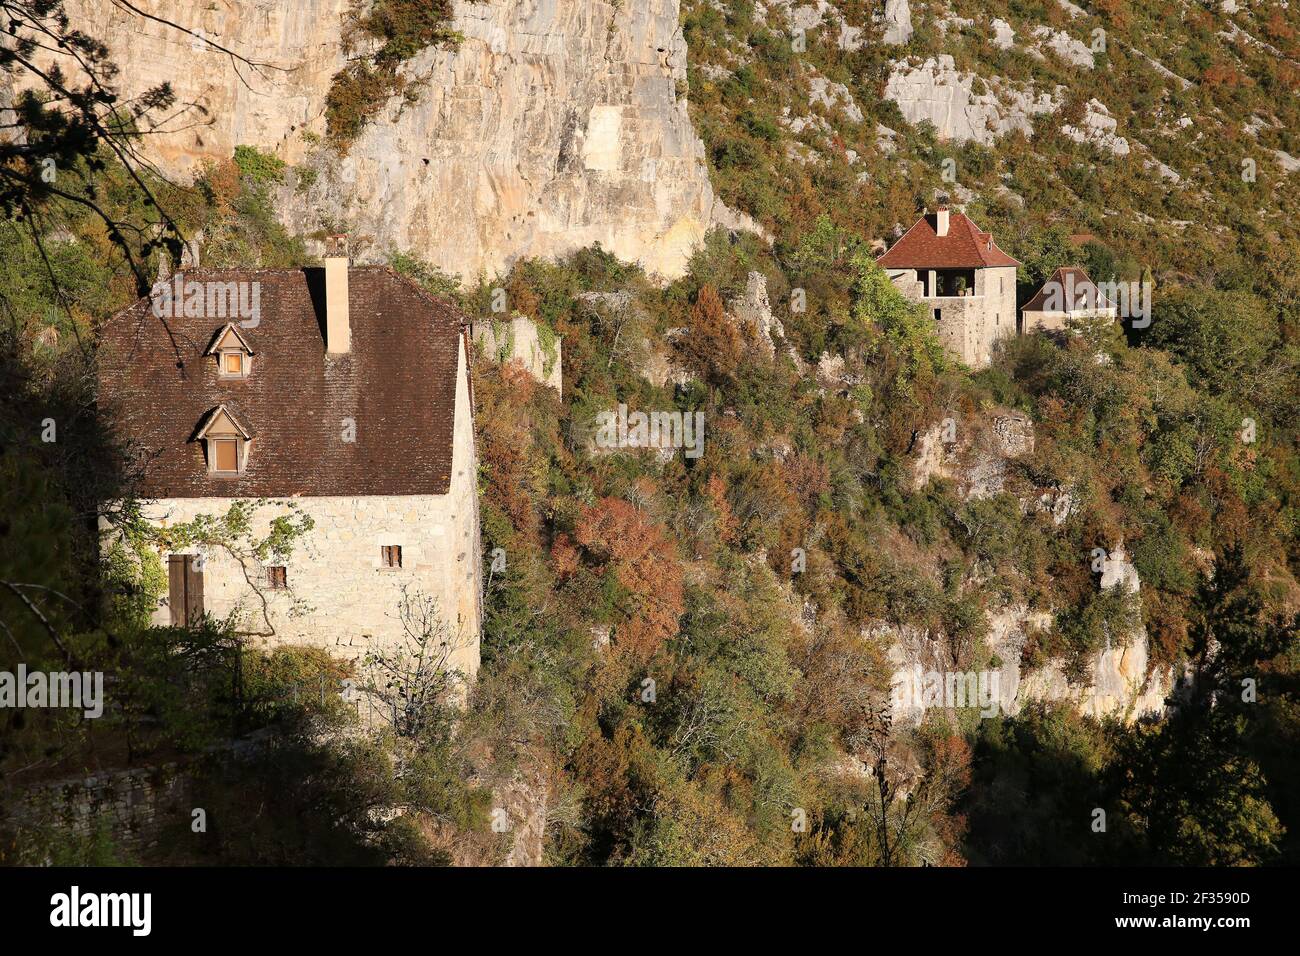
1130 300
920 690
211 300
81 690
619 429
74 909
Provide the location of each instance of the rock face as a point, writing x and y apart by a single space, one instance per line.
1116 682
801 16
898 22
753 311
1098 128
523 800
297 45
1069 49
1004 36
974 454
834 96
936 91
518 340
556 124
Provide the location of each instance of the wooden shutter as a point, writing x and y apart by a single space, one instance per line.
193 589
176 589
227 454
184 589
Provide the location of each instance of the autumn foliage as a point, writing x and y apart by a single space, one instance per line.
622 541
712 344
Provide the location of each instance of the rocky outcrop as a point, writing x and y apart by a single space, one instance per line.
1118 680
1072 51
753 311
975 454
521 806
832 374
1098 128
519 340
556 124
961 106
801 16
834 96
897 18
1004 37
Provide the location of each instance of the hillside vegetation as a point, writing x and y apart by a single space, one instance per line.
686 659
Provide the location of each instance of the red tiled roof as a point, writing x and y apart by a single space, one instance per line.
965 247
398 384
1067 279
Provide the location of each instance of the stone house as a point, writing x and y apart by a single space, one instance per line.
345 390
947 262
1068 294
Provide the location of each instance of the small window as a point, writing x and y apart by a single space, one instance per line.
233 356
277 578
225 453
392 555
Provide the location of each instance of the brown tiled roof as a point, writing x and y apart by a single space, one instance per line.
398 384
965 247
1072 279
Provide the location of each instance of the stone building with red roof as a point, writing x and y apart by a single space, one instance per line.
344 390
956 269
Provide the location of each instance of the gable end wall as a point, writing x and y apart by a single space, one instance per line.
335 571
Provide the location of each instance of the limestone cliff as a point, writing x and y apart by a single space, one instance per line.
555 124
1117 680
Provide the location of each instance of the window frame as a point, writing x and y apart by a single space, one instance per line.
225 355
214 450
277 581
390 557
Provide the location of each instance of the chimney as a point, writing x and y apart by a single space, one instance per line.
338 328
941 219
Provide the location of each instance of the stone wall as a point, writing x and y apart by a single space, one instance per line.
969 326
1056 321
132 806
339 596
998 288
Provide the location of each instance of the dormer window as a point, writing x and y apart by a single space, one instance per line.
230 348
226 443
